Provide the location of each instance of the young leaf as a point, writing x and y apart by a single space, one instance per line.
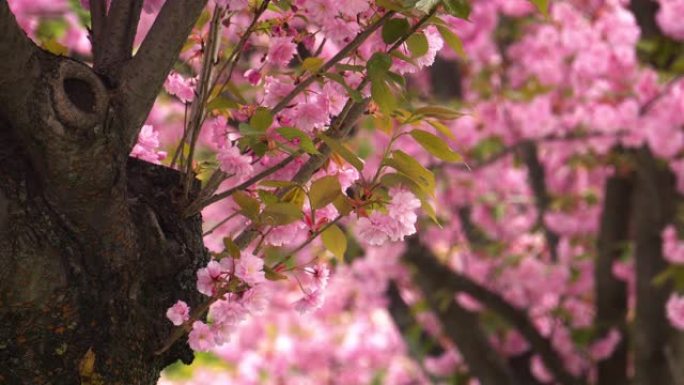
261 120
305 142
458 8
383 96
249 205
439 112
426 5
378 65
444 130
278 214
324 191
410 167
334 240
341 150
232 249
453 41
394 29
312 64
435 146
542 5
418 44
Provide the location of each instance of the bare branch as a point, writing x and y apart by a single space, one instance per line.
144 75
461 326
537 181
115 44
17 51
452 281
98 17
653 208
611 293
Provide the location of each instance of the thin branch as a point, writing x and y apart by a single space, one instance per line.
98 17
115 43
537 180
16 50
144 75
611 293
453 282
339 129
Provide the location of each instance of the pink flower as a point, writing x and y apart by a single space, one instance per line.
148 143
207 278
233 162
178 313
281 51
253 76
310 302
604 348
372 230
227 311
673 249
249 268
255 299
201 338
539 370
320 275
669 18
183 89
234 5
675 311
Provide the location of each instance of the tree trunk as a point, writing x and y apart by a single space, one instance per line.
93 245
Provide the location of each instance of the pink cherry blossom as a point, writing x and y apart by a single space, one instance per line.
178 313
249 268
281 51
183 89
675 311
233 162
201 338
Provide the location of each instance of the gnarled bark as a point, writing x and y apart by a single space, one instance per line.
93 245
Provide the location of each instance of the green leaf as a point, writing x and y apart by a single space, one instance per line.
277 183
296 196
278 214
324 191
453 41
394 29
426 5
249 205
438 112
418 44
232 249
435 146
262 119
383 96
410 167
458 8
378 65
342 150
267 197
542 5
221 103
313 64
444 130
392 5
273 275
305 142
334 240
342 204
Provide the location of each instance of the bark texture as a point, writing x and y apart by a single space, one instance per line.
93 245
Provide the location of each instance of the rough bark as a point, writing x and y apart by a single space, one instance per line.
653 209
93 245
611 293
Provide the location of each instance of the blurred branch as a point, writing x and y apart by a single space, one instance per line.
113 39
454 282
611 293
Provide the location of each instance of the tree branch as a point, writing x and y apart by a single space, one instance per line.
115 44
144 75
611 293
461 326
537 180
17 51
454 282
653 209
